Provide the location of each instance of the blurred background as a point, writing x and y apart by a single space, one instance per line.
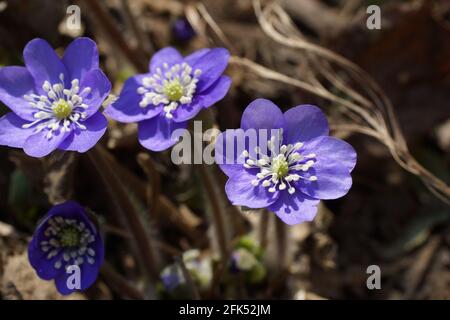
389 218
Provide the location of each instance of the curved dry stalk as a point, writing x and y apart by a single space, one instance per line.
374 112
367 109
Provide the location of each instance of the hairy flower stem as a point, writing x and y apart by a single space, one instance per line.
126 211
153 187
217 209
263 229
281 242
189 281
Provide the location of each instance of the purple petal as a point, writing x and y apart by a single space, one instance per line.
88 272
263 114
11 132
157 134
38 259
295 208
207 98
335 159
228 151
186 112
15 82
100 88
68 209
126 108
43 63
215 92
39 146
80 57
83 140
61 284
304 123
167 55
212 65
241 192
193 57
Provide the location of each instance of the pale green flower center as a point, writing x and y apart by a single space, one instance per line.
280 167
62 109
70 237
174 90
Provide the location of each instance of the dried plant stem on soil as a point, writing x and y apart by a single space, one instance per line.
127 212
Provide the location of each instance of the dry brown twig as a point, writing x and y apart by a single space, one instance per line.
365 107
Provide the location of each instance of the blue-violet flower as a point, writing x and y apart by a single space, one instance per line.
174 91
292 164
64 238
55 102
183 30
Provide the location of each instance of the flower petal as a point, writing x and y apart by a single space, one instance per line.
167 55
61 284
335 159
193 57
187 111
305 122
11 132
228 151
80 57
295 208
212 65
126 108
83 140
39 146
157 134
15 82
100 87
38 259
215 92
263 114
206 99
43 63
241 192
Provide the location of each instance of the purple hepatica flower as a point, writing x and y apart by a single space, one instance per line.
64 238
183 29
295 172
55 102
173 92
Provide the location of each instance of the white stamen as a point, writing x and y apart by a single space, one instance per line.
153 89
46 106
279 169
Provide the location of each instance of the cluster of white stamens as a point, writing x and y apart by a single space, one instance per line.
171 87
59 109
71 237
280 167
